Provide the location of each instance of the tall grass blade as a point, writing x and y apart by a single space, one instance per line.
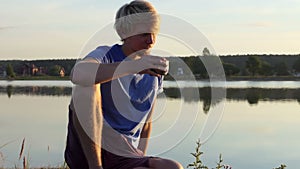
24 162
22 149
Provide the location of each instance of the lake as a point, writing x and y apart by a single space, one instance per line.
256 124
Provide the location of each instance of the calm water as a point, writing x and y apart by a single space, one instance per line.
259 128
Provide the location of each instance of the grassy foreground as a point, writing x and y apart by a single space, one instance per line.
197 164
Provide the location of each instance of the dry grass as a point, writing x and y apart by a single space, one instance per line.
24 163
22 149
2 159
197 164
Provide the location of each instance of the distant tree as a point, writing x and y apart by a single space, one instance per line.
253 64
54 70
10 71
281 69
195 65
205 52
266 69
296 65
245 72
189 61
230 69
213 66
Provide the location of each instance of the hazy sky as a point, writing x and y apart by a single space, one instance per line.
46 29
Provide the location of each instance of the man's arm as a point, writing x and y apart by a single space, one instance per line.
145 134
89 71
86 102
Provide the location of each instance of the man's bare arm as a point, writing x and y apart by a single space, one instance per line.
89 71
88 121
146 132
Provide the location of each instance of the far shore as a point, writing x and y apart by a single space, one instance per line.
37 78
263 78
246 78
231 78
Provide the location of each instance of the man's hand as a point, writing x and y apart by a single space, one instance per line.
153 65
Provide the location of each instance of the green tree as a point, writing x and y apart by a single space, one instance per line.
196 65
54 70
296 65
281 69
230 69
253 64
10 71
266 69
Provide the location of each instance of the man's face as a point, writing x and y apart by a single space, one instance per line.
141 42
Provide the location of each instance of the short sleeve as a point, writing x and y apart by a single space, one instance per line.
99 54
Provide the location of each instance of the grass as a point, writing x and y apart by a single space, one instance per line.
24 159
197 164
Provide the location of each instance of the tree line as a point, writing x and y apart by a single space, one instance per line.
240 65
50 67
234 65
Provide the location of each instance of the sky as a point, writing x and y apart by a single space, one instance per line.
61 29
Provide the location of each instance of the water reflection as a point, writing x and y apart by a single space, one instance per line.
252 95
9 90
188 94
246 130
35 90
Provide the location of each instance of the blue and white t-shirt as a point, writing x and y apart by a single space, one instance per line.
126 101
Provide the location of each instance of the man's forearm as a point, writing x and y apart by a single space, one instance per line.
145 135
90 72
92 150
86 102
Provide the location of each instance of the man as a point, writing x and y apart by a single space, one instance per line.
112 102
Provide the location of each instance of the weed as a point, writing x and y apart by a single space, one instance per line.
198 164
282 166
22 149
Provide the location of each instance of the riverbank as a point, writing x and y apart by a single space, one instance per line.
231 78
36 78
263 78
238 78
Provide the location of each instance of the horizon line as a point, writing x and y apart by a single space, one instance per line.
221 55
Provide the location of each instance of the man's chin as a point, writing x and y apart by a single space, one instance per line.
144 52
